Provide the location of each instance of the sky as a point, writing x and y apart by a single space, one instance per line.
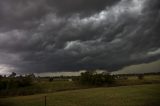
38 36
140 68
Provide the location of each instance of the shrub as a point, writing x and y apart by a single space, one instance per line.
23 82
91 78
50 79
140 76
3 84
15 82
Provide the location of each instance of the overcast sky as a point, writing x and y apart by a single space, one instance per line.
72 35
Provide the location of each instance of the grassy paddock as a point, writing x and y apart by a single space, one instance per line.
137 95
45 86
133 80
41 87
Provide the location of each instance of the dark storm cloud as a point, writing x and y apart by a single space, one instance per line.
51 35
80 6
26 13
20 13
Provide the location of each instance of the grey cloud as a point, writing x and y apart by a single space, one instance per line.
27 14
82 7
68 36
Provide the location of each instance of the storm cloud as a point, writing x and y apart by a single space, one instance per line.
71 35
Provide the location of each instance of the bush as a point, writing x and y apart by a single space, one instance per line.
15 82
90 78
140 76
3 84
50 79
23 82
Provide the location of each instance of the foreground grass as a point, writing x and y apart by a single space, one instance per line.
138 95
41 87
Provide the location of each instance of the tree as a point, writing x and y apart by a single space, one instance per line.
140 76
13 74
91 78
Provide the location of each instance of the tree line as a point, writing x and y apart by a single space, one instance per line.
13 81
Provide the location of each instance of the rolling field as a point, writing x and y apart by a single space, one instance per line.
45 86
137 95
133 80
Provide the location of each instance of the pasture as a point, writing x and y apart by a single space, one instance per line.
137 95
45 86
127 90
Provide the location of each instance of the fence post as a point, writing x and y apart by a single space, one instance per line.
45 100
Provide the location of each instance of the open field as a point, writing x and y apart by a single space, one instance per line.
41 87
133 80
44 86
137 95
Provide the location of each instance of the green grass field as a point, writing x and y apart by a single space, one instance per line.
45 86
133 80
137 95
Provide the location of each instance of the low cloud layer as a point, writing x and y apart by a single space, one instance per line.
56 35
